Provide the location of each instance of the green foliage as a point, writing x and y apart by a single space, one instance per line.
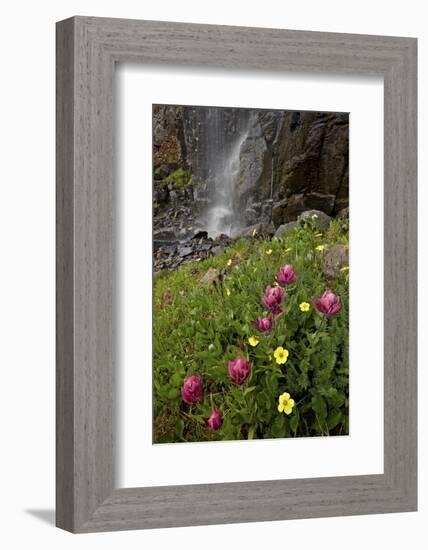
203 327
180 178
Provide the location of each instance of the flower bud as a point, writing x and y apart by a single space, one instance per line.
239 370
191 391
328 303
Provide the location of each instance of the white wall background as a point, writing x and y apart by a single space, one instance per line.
27 271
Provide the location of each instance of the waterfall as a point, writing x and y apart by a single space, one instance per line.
220 135
222 214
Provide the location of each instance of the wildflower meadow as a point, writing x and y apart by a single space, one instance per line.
260 348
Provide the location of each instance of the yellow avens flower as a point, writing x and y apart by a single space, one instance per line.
281 355
344 268
285 403
229 262
252 340
228 292
304 306
320 247
269 252
254 232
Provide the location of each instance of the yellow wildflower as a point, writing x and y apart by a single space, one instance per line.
252 340
281 355
228 292
269 252
285 403
304 306
254 232
287 250
320 247
344 268
229 262
318 235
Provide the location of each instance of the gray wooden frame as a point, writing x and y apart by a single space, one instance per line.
87 50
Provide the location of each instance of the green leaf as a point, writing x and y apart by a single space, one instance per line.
278 426
333 419
179 427
294 421
263 400
176 379
319 406
173 393
331 360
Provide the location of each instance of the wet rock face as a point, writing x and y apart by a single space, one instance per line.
168 139
315 165
288 163
253 182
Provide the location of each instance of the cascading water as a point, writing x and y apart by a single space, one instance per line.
222 215
220 135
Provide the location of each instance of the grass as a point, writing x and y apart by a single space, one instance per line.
198 328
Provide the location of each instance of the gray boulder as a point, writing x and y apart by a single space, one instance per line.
164 234
262 230
184 251
343 214
334 259
212 276
285 229
320 219
320 201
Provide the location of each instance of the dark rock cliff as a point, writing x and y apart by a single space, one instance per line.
288 162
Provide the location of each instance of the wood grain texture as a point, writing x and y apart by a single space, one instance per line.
87 50
64 276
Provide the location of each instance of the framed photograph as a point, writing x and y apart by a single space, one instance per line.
251 273
236 274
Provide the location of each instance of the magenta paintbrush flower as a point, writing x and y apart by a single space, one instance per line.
264 324
328 303
215 421
239 370
287 275
273 298
191 391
